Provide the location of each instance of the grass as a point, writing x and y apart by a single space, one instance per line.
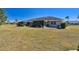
14 38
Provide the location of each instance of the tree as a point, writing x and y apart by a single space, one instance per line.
3 17
16 20
7 21
78 18
67 18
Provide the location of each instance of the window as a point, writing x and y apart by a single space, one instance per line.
53 22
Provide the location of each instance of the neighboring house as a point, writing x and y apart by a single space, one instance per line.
49 21
74 22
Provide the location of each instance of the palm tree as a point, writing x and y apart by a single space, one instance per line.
67 18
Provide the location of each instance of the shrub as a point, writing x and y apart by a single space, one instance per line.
28 24
37 24
78 48
58 27
0 23
62 26
20 24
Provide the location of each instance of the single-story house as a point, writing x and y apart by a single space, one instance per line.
48 21
74 22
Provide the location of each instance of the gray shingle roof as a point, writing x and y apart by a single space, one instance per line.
46 18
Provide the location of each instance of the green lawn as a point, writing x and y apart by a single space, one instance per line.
38 39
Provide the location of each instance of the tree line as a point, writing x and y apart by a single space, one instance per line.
68 17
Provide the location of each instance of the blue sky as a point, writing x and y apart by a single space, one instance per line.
28 13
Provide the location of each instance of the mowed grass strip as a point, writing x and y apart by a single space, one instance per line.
14 38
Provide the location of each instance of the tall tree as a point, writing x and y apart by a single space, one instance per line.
3 17
67 18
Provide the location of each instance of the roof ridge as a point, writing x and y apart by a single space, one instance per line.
46 18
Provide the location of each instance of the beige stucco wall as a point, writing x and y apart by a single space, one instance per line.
57 22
